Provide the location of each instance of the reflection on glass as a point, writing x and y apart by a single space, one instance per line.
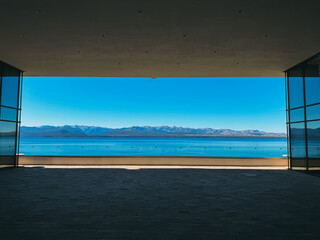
288 138
8 114
297 115
19 115
303 88
9 91
20 95
7 138
313 112
312 90
314 143
298 145
286 92
296 92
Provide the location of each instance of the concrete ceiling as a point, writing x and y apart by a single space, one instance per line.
163 38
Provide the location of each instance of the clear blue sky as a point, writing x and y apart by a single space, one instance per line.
234 103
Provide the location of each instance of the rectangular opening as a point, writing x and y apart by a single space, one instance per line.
192 117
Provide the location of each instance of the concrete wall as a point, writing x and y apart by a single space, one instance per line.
147 160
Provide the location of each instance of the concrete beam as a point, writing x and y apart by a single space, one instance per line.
167 38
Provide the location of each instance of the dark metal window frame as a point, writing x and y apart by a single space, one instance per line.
18 108
304 107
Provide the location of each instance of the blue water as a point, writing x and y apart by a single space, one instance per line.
227 147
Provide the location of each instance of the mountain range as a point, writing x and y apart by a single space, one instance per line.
136 131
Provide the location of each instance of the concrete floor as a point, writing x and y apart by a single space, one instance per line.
39 203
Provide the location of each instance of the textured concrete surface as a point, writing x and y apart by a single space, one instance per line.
39 203
159 38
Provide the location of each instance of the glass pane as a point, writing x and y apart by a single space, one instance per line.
18 140
8 114
7 142
296 92
288 145
286 86
298 145
297 115
9 91
20 91
314 145
313 112
19 117
312 90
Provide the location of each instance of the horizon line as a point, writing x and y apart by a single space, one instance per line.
76 125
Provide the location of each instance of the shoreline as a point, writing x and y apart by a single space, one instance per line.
256 137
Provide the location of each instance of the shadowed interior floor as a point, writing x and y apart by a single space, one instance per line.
39 203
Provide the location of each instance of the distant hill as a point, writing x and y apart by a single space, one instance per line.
146 131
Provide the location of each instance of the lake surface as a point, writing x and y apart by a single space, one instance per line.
140 146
